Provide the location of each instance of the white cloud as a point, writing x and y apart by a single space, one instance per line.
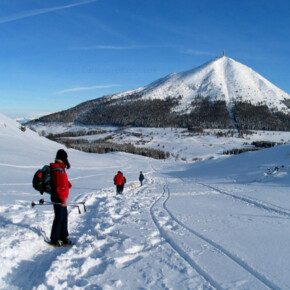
108 47
30 13
196 52
85 89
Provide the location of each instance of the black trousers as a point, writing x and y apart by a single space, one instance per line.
59 229
119 189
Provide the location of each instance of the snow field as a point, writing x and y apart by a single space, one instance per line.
218 224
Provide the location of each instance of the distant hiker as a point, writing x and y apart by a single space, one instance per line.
119 181
60 192
141 178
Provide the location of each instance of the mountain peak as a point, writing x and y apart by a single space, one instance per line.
220 79
221 93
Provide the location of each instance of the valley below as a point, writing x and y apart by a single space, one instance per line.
161 143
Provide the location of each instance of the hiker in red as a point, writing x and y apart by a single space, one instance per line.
119 181
61 185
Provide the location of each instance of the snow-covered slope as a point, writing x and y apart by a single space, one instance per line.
220 79
22 144
219 224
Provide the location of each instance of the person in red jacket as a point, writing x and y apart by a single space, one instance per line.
119 181
61 185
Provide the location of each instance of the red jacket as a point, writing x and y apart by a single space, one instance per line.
60 182
119 179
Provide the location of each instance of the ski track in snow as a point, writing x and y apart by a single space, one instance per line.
213 247
163 232
255 202
231 256
213 250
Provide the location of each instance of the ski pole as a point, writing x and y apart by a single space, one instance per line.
44 202
75 204
83 203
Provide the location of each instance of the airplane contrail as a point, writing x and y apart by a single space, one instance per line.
35 12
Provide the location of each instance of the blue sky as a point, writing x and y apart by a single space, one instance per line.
57 54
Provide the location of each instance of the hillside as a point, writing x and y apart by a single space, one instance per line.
222 93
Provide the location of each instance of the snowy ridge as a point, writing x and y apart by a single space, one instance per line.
220 79
7 126
22 144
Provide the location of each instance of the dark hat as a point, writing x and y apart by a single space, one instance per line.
62 155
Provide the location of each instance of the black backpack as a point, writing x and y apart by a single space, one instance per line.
42 179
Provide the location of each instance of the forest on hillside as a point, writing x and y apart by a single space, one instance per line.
202 113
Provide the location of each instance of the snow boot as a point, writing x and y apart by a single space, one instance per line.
58 243
67 242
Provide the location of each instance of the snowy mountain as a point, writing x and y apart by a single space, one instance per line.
222 79
218 224
222 93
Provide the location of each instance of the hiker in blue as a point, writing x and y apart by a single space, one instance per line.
141 178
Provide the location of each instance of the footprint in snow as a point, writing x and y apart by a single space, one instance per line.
127 260
134 249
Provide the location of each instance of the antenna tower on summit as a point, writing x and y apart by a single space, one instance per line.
224 53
